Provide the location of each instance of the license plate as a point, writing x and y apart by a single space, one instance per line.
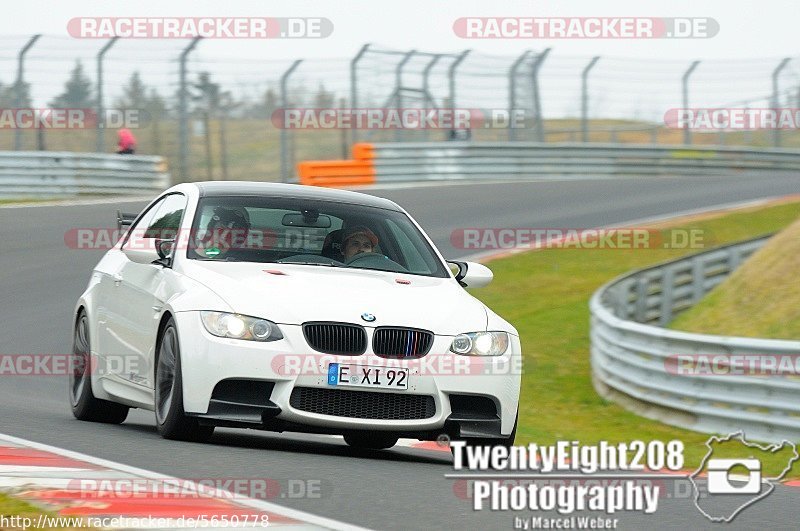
371 376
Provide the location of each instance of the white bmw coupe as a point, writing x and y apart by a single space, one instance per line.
291 308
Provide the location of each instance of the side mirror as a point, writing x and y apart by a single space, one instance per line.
472 274
164 248
160 254
141 256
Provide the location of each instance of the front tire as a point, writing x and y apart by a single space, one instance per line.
85 406
171 420
370 441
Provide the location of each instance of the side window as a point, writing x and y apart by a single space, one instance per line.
161 221
167 219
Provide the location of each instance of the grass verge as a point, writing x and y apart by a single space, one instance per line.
545 294
11 507
760 299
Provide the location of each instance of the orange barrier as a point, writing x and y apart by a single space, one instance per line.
333 173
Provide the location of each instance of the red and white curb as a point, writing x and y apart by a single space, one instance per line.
46 476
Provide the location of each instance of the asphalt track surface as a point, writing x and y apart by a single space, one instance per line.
403 488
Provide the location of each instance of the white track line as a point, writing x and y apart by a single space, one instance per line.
261 505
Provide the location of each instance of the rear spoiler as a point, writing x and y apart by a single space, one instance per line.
124 221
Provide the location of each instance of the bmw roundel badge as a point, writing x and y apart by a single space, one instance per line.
368 317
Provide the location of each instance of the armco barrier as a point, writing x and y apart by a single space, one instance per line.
394 162
25 174
632 356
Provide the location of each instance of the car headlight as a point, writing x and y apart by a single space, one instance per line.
235 326
480 344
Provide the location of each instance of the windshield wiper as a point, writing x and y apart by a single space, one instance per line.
310 263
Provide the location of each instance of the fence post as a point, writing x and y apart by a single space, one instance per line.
354 85
100 145
776 133
451 80
183 112
537 100
425 86
512 90
19 86
398 84
687 133
284 132
585 98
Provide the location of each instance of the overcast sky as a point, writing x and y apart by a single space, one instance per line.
765 28
761 31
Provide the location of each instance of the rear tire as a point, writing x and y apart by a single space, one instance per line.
85 406
370 441
171 420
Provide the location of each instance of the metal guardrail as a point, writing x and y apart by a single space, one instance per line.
521 160
632 356
26 174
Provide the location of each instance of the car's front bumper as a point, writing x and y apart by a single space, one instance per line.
286 365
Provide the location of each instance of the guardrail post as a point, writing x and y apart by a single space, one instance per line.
776 133
687 133
100 144
641 299
585 98
698 279
19 86
512 90
183 112
284 132
354 85
537 100
425 85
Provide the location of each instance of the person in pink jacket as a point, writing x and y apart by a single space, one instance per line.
126 142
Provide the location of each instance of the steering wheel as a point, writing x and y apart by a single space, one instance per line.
375 261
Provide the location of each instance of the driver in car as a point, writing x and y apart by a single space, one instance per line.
357 240
227 229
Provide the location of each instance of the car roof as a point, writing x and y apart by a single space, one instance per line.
295 191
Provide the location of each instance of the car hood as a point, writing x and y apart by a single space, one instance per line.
295 294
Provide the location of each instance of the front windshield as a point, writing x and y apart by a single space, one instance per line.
309 232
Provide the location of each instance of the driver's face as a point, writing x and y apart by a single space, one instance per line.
356 245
